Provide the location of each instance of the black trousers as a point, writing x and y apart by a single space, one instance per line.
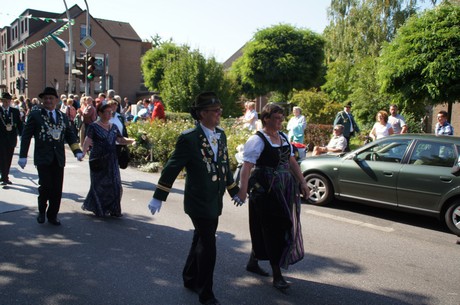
50 180
347 148
199 267
6 155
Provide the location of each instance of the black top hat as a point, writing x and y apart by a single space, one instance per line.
48 91
6 96
347 104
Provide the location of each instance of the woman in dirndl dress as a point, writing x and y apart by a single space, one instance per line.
272 177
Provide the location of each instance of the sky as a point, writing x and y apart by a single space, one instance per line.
217 28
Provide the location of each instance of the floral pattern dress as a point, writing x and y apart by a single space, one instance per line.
104 196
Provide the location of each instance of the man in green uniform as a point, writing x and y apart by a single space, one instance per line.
202 151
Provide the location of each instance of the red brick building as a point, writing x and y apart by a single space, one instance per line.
29 54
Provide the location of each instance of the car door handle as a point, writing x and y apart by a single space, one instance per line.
388 174
445 179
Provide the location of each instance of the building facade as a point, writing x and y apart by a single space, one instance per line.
32 59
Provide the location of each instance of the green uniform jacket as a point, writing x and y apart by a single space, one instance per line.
346 120
206 180
48 146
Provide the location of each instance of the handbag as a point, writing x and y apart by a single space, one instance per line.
98 164
123 156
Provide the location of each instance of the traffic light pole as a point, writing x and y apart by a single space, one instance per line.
86 53
70 51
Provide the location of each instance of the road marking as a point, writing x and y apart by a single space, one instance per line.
350 221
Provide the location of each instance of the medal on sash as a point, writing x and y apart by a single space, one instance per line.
55 133
9 126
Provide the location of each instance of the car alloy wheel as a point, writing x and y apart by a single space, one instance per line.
320 189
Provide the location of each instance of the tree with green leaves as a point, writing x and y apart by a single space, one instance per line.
421 66
357 31
180 74
280 58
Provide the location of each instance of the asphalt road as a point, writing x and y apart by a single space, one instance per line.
354 255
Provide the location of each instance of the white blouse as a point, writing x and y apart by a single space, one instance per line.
381 130
255 145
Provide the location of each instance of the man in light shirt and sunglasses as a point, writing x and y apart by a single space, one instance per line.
336 145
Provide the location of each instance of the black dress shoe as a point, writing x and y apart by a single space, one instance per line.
213 301
113 214
9 182
55 222
4 183
41 218
280 284
257 270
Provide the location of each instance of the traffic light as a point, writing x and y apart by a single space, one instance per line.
18 83
22 84
91 67
79 70
101 82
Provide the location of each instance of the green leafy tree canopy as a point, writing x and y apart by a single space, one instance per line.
422 63
281 58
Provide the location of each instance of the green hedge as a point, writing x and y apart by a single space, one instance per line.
157 139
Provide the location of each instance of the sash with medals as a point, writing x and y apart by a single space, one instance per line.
9 126
54 129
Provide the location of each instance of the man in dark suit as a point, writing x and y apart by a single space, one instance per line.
202 151
346 119
10 128
50 129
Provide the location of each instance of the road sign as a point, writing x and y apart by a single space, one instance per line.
88 42
20 66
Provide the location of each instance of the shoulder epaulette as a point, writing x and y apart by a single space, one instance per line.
189 130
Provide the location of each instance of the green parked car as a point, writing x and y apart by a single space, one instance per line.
418 173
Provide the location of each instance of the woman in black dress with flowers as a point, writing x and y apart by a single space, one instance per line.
104 196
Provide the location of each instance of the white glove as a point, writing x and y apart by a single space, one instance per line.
155 205
238 201
80 156
22 162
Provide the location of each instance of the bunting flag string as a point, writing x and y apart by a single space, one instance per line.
41 42
45 19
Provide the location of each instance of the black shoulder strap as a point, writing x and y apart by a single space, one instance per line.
261 135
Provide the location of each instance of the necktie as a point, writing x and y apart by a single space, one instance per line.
51 117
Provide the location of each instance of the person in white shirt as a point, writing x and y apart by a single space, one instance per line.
336 145
250 116
397 121
381 128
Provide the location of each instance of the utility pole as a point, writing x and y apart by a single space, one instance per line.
70 51
86 52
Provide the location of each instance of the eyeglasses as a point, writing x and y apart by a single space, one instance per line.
218 110
277 117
